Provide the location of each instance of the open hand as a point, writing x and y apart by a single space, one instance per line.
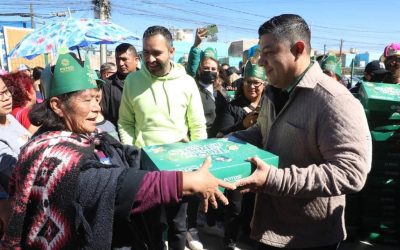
203 183
257 180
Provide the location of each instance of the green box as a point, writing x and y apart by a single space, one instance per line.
231 93
380 96
391 117
229 157
385 136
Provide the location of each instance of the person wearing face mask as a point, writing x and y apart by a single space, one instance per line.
208 83
211 91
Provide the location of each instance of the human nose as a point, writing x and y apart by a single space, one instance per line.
96 105
120 62
261 61
151 58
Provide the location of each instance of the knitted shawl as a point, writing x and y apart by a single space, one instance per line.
43 188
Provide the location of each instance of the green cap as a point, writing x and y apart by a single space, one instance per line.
69 75
210 52
254 70
331 64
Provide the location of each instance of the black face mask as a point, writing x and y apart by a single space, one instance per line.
208 77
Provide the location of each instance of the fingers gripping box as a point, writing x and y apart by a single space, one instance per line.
229 157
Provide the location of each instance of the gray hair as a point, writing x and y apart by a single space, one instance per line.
107 66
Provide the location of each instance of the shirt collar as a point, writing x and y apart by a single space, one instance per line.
298 79
208 87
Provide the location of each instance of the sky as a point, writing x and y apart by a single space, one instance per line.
367 25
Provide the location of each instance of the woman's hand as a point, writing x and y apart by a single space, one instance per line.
250 119
201 33
257 180
204 184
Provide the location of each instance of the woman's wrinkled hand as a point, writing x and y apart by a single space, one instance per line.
204 184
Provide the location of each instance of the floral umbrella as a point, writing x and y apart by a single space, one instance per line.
72 33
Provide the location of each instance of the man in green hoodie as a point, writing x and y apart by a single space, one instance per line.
161 104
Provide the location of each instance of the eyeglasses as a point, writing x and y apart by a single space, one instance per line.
393 59
5 93
256 84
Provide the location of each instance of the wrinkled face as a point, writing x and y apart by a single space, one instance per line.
81 111
253 88
5 99
157 55
278 60
126 62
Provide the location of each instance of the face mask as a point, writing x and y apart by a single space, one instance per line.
208 77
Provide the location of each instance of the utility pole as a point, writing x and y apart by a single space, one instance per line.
31 14
341 47
104 14
324 49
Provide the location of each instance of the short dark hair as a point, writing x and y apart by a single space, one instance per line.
124 47
36 73
155 30
288 27
224 64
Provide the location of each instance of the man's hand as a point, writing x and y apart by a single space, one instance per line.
203 183
201 34
257 180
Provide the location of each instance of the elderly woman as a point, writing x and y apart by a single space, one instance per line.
12 137
24 97
70 184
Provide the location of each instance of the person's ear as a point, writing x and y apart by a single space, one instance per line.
57 106
298 48
171 53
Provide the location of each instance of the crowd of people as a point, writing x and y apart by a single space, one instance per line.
70 169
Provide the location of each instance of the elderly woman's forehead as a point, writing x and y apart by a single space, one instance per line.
86 92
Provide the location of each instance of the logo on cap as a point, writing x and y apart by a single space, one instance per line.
65 63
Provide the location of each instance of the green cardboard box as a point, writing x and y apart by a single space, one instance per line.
229 157
391 117
385 136
383 120
231 93
380 96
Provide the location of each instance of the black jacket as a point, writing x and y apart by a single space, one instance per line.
231 118
211 105
112 94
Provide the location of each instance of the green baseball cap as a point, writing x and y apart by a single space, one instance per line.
69 75
210 52
254 70
331 64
